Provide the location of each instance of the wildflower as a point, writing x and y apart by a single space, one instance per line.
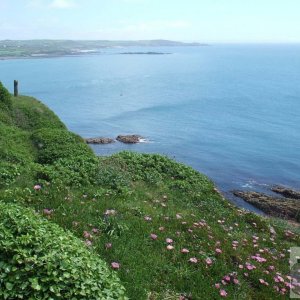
95 230
161 228
47 211
241 266
170 247
208 261
223 293
88 243
169 241
178 216
250 267
108 245
110 212
184 250
227 278
87 235
147 218
235 281
115 265
218 251
193 260
261 281
37 187
217 285
153 236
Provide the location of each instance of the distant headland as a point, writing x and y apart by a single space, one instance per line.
53 48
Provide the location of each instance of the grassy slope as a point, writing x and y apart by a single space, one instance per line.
143 193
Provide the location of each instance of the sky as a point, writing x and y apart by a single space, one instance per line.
219 21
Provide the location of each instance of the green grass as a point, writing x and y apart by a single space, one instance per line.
121 200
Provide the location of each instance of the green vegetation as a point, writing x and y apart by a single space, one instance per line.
39 260
161 226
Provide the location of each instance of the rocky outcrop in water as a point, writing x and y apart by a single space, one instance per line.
129 139
275 206
99 140
286 192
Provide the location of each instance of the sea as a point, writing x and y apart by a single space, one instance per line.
230 111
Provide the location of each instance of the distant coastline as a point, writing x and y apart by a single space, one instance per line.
23 49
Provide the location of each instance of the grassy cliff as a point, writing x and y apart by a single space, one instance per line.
160 226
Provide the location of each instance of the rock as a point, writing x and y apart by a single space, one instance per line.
278 207
129 139
99 140
286 192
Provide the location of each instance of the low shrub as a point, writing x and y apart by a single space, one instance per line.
55 144
39 260
74 171
8 173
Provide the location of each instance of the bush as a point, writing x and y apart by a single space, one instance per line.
8 173
5 96
39 260
54 144
75 171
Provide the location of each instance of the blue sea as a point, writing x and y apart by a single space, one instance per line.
229 111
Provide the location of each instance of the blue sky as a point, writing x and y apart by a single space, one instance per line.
185 20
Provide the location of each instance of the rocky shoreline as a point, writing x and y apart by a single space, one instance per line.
286 206
126 139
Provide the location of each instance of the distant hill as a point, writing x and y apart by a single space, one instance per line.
46 48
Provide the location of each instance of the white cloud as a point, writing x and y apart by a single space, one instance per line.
62 4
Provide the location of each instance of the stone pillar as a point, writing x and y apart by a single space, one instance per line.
16 88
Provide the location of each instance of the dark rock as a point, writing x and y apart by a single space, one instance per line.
129 139
286 192
275 206
99 140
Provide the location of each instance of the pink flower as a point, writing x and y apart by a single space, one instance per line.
47 211
95 230
170 247
193 260
235 281
153 236
184 250
169 241
88 243
218 251
217 285
115 265
87 235
250 267
227 278
208 261
37 187
223 293
108 245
